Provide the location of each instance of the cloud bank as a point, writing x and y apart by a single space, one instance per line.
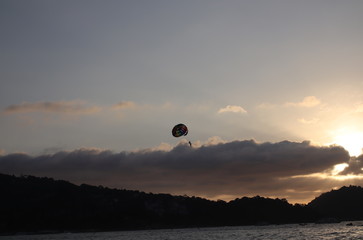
226 170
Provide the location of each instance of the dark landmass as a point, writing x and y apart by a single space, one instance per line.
345 203
31 204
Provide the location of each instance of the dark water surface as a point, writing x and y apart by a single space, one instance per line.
289 231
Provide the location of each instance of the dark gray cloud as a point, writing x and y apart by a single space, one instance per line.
235 169
355 166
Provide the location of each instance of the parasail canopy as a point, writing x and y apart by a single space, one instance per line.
179 130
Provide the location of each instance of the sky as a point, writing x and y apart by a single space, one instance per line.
270 92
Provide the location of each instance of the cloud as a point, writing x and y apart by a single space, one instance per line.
124 105
233 109
308 102
69 107
235 169
355 166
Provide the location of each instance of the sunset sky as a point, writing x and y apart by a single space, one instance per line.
271 92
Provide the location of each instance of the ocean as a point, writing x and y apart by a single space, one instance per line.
343 230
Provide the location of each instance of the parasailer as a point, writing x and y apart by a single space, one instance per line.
180 130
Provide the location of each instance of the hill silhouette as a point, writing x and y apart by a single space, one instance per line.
33 204
344 203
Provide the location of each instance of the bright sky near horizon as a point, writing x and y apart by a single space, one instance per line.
118 75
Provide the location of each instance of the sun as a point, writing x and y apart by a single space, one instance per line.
352 141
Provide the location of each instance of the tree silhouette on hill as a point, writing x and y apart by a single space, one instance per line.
33 204
344 203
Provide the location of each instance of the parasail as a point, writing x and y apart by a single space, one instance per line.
179 130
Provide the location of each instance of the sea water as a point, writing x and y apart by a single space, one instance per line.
342 230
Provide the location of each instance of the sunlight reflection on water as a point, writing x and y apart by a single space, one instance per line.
290 231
